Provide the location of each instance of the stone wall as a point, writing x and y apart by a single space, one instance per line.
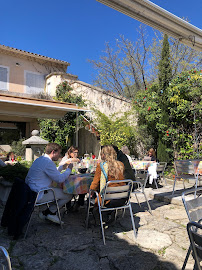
100 99
88 142
94 97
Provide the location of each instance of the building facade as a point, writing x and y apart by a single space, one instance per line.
25 75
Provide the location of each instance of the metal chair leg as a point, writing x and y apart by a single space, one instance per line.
186 258
137 199
174 186
132 220
102 228
25 235
150 211
156 183
58 210
165 180
124 210
116 213
196 184
88 211
7 257
35 204
183 183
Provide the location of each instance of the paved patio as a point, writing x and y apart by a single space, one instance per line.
162 240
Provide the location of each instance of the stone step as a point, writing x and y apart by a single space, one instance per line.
164 194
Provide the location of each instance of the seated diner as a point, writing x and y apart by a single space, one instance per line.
151 155
109 169
151 167
41 175
71 156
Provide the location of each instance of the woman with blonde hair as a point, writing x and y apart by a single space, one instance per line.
109 169
152 154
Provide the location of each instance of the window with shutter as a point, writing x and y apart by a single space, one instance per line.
4 78
34 83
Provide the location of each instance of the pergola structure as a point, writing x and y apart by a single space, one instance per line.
149 13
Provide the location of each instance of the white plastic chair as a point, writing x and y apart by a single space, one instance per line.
5 252
42 203
113 193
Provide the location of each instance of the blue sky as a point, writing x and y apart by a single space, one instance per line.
76 30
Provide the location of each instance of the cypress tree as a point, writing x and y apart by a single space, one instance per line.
164 75
165 70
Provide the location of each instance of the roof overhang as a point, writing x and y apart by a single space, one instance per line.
21 53
160 19
35 108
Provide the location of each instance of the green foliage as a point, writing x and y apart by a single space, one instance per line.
58 130
115 130
165 71
165 75
126 67
10 172
163 155
18 148
182 127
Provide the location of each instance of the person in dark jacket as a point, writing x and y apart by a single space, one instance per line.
152 154
128 171
18 208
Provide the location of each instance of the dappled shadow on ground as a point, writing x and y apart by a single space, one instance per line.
49 247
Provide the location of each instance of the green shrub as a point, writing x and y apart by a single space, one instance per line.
162 154
18 148
10 172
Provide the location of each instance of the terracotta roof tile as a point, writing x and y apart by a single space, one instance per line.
11 49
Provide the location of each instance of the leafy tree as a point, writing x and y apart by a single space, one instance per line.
185 109
115 130
165 71
58 130
182 57
165 75
183 129
123 70
129 67
120 130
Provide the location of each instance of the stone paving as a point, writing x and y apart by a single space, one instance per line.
162 240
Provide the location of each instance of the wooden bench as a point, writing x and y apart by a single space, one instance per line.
186 169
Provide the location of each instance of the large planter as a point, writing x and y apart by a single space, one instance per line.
5 188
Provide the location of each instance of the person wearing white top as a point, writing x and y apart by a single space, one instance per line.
126 151
41 174
72 157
